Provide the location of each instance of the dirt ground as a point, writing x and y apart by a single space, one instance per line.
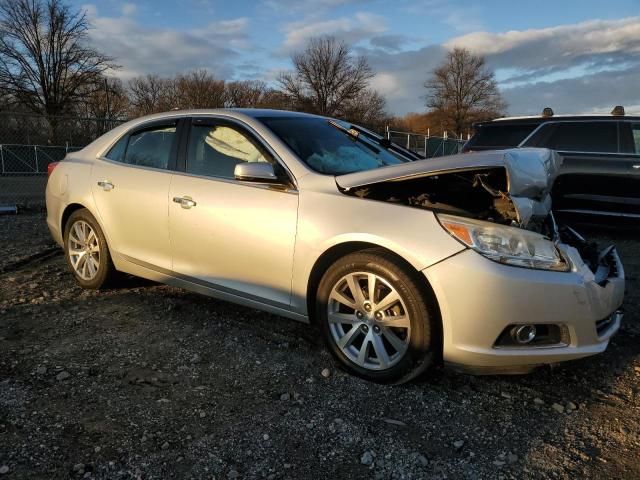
148 381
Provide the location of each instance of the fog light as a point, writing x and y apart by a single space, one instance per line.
523 334
539 335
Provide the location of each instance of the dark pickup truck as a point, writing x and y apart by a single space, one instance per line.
600 175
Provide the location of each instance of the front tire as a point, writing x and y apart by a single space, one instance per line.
86 251
376 317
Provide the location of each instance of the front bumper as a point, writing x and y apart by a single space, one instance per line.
479 298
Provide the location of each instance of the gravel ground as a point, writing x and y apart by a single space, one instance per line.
148 381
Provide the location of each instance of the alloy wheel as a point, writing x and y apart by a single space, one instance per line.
368 320
84 250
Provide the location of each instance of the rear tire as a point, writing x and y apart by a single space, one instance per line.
86 251
385 332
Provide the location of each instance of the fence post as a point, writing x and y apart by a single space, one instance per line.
2 157
408 141
35 151
426 141
388 132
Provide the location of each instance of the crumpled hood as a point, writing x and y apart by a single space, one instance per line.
531 171
530 175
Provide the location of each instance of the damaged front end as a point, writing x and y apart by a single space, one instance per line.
510 187
478 197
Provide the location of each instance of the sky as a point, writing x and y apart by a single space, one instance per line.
575 56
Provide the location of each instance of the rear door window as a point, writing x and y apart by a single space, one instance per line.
584 137
151 147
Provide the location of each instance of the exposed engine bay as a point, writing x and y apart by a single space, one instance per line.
510 187
477 194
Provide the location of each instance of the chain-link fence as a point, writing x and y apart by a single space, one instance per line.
29 143
426 145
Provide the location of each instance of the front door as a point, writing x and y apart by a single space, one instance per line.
236 236
131 187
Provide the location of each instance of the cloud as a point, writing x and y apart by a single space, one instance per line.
89 9
594 42
140 49
129 9
389 42
350 29
400 75
572 68
290 6
595 93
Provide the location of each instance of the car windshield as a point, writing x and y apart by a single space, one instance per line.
327 148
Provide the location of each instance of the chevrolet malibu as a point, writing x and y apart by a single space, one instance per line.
399 262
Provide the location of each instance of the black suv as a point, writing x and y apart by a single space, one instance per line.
600 174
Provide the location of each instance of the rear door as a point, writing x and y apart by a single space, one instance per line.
131 187
597 175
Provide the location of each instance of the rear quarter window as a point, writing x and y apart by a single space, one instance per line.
117 151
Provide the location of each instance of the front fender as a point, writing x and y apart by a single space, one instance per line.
326 220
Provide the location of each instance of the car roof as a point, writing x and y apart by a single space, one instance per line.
232 112
537 119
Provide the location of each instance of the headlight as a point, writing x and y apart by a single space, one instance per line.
510 245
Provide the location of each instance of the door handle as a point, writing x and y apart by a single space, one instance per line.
637 167
185 202
106 185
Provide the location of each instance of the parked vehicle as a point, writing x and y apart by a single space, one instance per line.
600 174
398 262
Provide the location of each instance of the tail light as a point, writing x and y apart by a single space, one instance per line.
50 168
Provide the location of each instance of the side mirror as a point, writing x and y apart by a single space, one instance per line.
255 172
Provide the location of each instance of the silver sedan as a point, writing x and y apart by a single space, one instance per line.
398 261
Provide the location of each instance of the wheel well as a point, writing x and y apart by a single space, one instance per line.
338 251
72 207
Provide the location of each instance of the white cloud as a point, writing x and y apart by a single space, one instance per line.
129 9
89 9
140 49
350 29
563 45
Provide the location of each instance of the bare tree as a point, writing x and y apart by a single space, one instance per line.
196 89
151 94
107 100
45 62
325 77
367 109
463 90
276 99
199 89
245 93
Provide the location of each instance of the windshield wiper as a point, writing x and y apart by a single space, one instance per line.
355 135
355 132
